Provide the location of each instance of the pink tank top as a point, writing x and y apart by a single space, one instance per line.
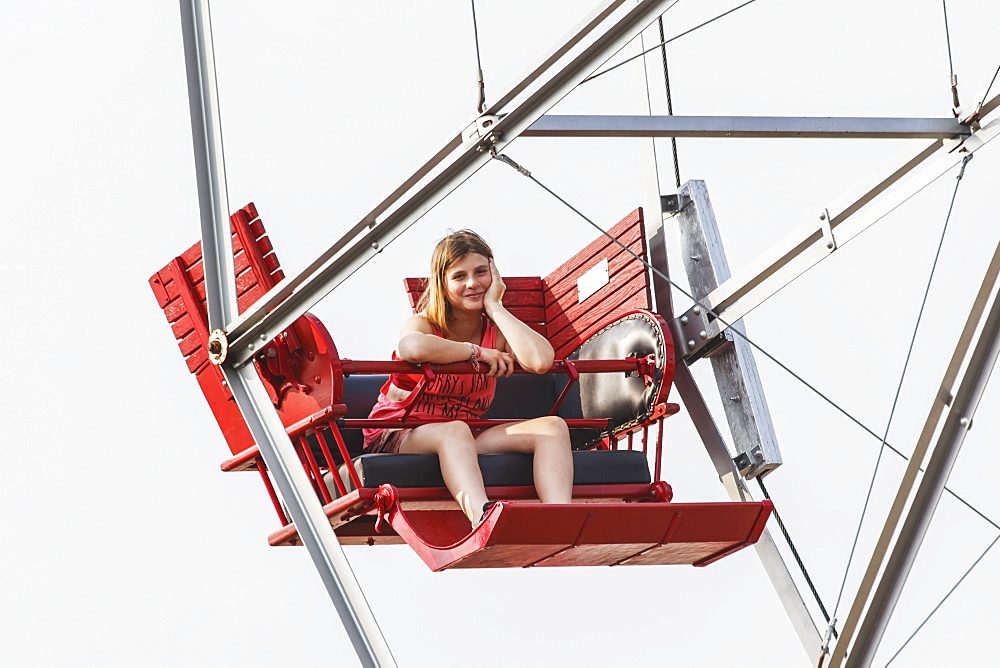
454 396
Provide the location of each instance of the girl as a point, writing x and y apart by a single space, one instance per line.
461 318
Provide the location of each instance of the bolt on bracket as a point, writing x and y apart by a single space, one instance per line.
218 347
481 133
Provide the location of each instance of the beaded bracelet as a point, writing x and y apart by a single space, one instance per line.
476 356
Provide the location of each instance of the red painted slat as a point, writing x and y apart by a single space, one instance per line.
197 360
195 274
564 332
157 283
189 343
182 326
528 313
563 281
174 310
248 298
621 272
600 302
191 255
625 230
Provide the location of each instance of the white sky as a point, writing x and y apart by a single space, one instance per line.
124 545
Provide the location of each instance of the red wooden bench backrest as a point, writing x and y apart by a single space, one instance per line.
551 305
180 291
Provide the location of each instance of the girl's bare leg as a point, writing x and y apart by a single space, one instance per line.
457 453
547 438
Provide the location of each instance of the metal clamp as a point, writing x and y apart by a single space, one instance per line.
694 335
481 132
673 203
824 217
746 461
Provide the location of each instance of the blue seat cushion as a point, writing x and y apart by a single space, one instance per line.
590 467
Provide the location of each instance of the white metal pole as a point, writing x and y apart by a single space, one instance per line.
911 535
248 390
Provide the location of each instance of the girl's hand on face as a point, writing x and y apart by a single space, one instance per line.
500 363
494 295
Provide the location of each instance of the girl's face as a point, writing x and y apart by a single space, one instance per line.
466 282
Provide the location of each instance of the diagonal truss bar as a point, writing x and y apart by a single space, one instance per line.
961 405
248 390
553 77
852 213
746 126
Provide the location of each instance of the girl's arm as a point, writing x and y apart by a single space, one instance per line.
417 343
531 350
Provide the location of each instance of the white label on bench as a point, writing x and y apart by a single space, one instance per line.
593 280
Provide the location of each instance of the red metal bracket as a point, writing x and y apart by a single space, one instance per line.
385 502
574 376
278 366
662 492
415 393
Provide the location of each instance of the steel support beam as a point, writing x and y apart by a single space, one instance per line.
596 39
210 172
746 126
732 358
248 390
960 403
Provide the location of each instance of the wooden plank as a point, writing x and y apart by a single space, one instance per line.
250 297
246 281
158 283
182 326
190 343
528 313
567 337
197 360
191 256
175 310
568 307
564 279
627 231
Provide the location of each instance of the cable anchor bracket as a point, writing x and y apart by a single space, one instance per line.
481 132
507 161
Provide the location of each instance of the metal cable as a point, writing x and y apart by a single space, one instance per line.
665 42
481 104
988 88
899 387
951 66
795 554
507 160
946 596
670 103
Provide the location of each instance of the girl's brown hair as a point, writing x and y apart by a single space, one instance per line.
433 303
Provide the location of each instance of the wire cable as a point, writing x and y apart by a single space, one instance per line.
507 160
670 103
951 65
665 42
902 378
989 88
946 596
481 104
795 554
